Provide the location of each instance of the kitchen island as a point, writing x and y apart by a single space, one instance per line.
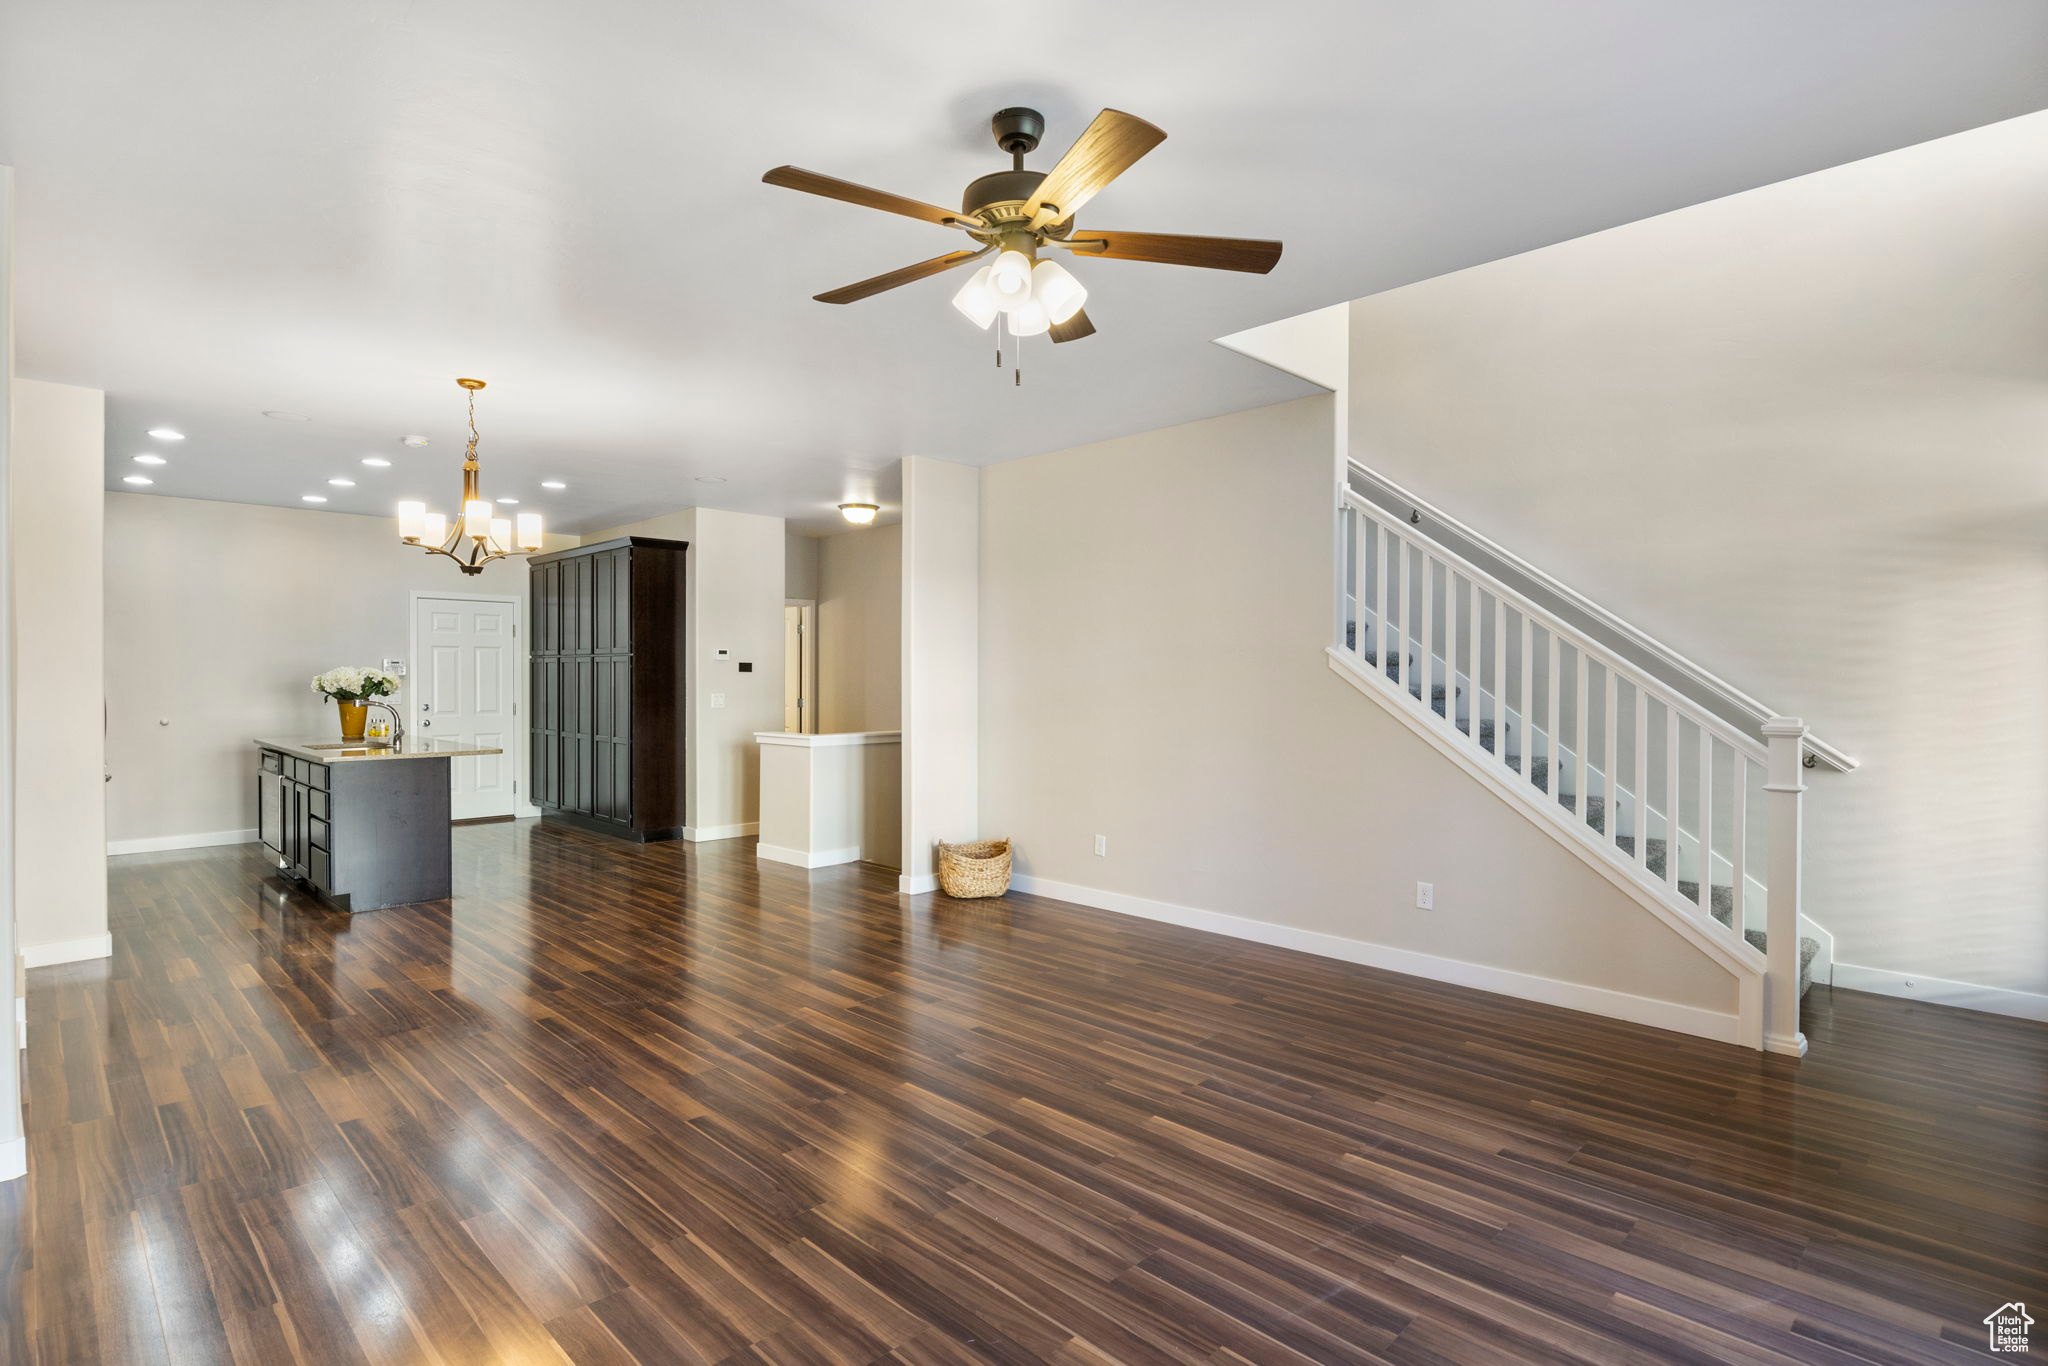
364 826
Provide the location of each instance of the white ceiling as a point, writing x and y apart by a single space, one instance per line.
335 209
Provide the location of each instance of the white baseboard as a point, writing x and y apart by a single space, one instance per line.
13 1159
700 833
1940 991
67 951
158 843
1618 1005
914 884
802 858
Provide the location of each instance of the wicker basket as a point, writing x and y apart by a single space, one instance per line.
971 870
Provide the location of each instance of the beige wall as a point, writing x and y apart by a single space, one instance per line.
940 622
1154 612
1797 433
799 565
736 566
13 1149
57 458
860 629
217 617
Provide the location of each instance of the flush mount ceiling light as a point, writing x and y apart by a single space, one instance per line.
376 462
312 497
280 415
137 479
412 441
478 537
148 459
1018 213
860 514
166 434
342 483
509 502
553 484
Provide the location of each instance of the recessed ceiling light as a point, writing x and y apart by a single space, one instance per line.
282 416
508 500
553 484
148 459
711 479
343 483
138 479
413 440
166 434
376 462
312 498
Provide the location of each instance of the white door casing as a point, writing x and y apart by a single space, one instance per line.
465 686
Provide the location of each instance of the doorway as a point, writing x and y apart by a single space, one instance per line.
465 686
800 666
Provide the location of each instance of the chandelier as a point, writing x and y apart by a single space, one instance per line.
478 537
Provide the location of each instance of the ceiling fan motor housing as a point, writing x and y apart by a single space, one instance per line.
1001 187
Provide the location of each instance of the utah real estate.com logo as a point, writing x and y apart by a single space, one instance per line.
2008 1326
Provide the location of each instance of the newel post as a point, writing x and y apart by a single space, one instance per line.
1786 736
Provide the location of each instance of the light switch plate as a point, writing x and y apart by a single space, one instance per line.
717 701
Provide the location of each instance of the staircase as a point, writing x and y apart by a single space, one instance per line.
1697 819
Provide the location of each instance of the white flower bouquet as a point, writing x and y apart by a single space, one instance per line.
355 685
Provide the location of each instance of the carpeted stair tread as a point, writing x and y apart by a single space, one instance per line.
1722 899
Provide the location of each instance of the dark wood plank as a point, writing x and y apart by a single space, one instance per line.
622 1102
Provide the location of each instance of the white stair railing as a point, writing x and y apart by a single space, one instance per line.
1661 788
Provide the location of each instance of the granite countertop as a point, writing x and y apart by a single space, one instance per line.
335 752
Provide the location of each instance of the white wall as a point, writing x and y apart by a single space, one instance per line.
940 623
13 1147
799 565
860 629
56 460
1798 434
736 565
1153 617
217 617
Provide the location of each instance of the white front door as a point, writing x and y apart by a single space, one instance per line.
465 687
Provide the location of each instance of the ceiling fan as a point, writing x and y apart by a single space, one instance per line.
1018 213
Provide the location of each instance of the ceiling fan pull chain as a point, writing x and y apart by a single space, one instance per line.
1017 375
999 341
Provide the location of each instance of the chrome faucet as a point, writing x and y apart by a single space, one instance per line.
397 726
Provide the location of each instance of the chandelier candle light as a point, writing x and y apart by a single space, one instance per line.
478 537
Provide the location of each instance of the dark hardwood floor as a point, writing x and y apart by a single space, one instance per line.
659 1103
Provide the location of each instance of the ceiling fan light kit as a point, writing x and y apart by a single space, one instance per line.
479 536
1018 213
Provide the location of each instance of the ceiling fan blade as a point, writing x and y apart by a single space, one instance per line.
1074 328
1172 249
1105 150
810 182
847 294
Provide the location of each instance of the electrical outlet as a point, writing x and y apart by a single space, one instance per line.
1102 846
717 701
1425 896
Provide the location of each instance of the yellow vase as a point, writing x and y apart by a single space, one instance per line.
355 716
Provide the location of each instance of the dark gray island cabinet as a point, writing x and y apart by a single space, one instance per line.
364 826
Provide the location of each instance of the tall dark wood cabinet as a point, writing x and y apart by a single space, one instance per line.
609 720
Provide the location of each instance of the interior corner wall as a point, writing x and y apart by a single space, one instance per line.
57 459
860 629
1797 433
13 1146
1153 618
799 565
941 568
736 569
